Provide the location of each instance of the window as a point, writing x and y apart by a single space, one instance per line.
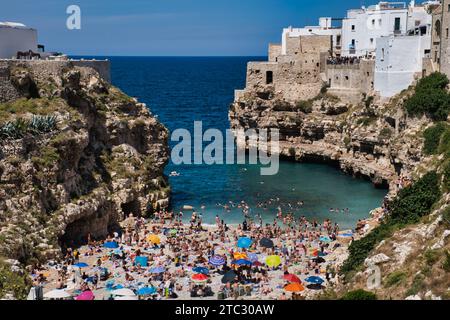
346 77
373 22
437 28
353 27
397 24
448 8
269 77
446 33
371 40
338 40
382 54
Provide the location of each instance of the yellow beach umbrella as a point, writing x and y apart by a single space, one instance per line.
273 261
153 238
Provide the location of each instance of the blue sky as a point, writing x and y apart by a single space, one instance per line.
169 27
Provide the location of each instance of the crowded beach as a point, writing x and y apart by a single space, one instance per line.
167 258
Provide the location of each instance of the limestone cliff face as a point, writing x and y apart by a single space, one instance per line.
369 139
375 140
102 160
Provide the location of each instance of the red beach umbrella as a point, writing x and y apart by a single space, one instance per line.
292 278
199 277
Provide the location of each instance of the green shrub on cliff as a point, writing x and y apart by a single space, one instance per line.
432 137
12 282
410 204
305 106
416 200
446 175
430 97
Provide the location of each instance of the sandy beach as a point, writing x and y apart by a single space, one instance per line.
167 259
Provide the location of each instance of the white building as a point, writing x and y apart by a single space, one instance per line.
362 27
398 61
323 29
16 37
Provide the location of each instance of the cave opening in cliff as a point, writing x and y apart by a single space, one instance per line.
132 207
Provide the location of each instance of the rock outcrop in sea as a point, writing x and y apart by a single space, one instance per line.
77 155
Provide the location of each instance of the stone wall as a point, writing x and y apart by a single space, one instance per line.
274 52
440 43
294 76
350 81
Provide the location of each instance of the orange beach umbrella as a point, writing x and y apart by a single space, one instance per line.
294 287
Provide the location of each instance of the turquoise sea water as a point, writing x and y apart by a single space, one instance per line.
181 90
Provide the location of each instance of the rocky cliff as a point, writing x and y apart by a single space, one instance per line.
383 142
76 156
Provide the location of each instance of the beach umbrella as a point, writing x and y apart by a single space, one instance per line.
257 264
239 255
273 261
111 245
81 265
173 232
325 239
252 257
319 260
141 260
145 291
123 292
153 238
314 280
292 278
321 254
217 261
314 286
242 262
201 270
294 287
229 276
157 270
266 243
57 294
244 242
199 277
86 296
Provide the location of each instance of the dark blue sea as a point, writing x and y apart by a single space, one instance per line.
181 90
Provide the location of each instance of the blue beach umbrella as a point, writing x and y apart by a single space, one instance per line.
143 261
314 279
244 242
81 265
157 270
111 245
146 291
242 262
325 239
216 261
201 270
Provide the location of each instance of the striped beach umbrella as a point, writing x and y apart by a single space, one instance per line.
252 257
216 261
